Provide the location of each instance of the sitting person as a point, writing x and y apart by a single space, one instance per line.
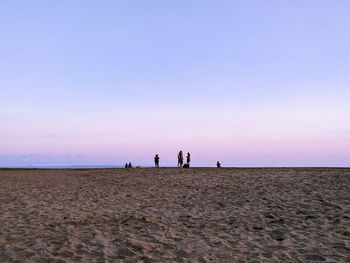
218 165
186 165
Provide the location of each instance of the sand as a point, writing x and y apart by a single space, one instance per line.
175 215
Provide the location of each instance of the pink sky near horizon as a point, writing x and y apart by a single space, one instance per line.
273 137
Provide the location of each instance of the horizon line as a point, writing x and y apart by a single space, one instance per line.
150 166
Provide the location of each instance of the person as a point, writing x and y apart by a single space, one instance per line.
188 159
156 161
126 165
130 166
180 159
218 165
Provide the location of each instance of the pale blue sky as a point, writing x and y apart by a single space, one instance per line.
252 83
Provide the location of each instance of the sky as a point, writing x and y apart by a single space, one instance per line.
248 83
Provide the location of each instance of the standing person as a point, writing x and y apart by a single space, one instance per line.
180 159
156 160
188 159
218 165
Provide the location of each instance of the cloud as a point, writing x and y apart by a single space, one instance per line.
52 135
38 159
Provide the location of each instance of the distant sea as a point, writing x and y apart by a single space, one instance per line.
67 166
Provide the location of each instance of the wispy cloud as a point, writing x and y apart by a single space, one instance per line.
37 159
52 135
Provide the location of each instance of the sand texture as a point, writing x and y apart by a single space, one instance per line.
175 215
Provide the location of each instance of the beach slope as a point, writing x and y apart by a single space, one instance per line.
175 215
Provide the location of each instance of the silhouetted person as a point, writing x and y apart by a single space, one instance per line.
156 161
126 165
188 159
180 159
186 165
218 165
130 166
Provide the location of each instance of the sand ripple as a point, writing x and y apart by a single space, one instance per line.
173 215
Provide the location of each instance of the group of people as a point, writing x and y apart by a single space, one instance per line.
180 161
128 165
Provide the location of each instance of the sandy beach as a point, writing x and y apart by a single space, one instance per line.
175 215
